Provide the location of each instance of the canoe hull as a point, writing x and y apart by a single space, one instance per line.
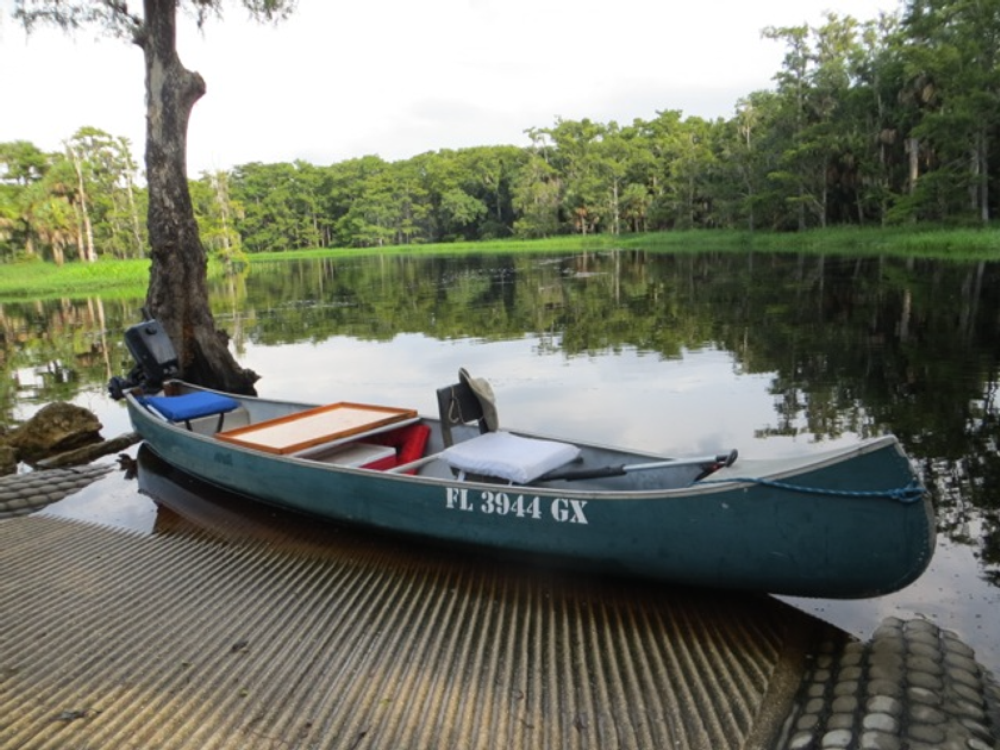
799 535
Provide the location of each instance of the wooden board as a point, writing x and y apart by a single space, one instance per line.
322 424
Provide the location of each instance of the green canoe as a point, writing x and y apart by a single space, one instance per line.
849 523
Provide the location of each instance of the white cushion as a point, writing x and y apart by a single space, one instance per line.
501 454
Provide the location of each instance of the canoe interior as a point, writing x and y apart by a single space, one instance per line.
255 411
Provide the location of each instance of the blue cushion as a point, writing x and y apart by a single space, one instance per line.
191 405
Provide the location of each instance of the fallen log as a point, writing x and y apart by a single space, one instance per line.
88 453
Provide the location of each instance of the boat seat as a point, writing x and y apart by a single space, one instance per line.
459 405
190 406
493 452
516 458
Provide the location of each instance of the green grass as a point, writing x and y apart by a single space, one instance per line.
548 244
941 243
38 280
129 278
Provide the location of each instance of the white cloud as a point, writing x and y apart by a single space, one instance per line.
340 80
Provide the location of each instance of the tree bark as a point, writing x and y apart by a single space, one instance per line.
983 173
87 251
913 152
178 286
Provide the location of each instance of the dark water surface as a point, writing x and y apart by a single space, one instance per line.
679 354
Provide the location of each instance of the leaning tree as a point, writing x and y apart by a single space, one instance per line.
178 289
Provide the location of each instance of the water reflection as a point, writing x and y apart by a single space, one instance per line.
673 353
188 507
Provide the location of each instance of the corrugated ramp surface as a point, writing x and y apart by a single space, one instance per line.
112 639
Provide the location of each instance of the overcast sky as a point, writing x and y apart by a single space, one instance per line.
401 77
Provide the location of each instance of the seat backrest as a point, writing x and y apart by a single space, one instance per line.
459 405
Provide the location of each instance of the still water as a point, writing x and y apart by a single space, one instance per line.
678 354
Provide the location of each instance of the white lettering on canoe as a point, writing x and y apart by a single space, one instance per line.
457 499
491 503
568 510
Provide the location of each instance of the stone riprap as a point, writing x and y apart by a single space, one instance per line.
21 494
913 686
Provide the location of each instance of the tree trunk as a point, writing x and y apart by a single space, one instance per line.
178 287
615 211
983 167
87 251
913 152
219 182
133 212
134 219
824 194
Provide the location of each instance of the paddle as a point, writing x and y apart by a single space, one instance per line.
710 462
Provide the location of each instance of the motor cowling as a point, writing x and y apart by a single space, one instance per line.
155 357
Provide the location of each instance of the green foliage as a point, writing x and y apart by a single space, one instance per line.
883 123
80 203
34 279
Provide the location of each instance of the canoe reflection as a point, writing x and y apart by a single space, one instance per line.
188 506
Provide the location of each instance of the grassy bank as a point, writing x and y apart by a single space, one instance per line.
944 244
38 280
129 278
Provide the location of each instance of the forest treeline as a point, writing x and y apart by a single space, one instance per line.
894 120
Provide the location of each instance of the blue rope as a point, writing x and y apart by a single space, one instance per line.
908 494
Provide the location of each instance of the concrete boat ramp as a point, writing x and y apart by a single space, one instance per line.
223 630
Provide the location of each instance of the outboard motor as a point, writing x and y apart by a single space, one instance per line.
155 357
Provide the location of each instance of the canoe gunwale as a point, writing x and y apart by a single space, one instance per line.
743 475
